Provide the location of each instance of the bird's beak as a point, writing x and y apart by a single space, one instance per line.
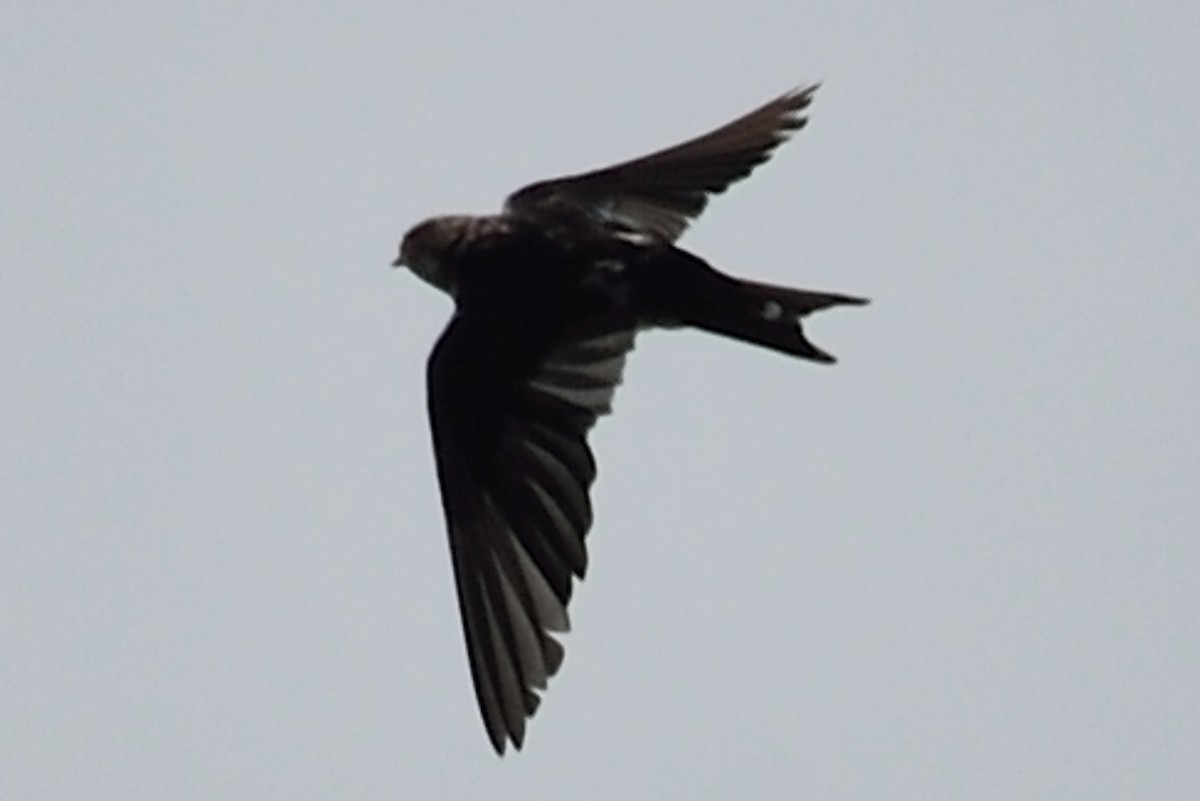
399 262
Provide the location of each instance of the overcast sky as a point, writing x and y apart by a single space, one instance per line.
961 564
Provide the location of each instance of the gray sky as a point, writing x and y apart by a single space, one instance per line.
959 565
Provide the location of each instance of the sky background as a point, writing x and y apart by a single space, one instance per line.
961 564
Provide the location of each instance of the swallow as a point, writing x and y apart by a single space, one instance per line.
549 297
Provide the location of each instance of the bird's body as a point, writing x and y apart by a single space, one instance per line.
549 296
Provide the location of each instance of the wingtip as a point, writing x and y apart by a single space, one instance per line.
804 88
800 95
792 107
500 741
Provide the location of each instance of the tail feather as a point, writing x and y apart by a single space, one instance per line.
768 315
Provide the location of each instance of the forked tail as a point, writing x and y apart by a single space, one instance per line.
768 315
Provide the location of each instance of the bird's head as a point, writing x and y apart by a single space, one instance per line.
427 250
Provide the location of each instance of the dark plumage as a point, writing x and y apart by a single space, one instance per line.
549 296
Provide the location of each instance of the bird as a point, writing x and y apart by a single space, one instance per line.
549 296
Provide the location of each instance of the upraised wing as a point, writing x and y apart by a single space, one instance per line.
661 193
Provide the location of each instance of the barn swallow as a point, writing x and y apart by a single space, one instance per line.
549 296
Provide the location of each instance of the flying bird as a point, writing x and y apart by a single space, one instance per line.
549 297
